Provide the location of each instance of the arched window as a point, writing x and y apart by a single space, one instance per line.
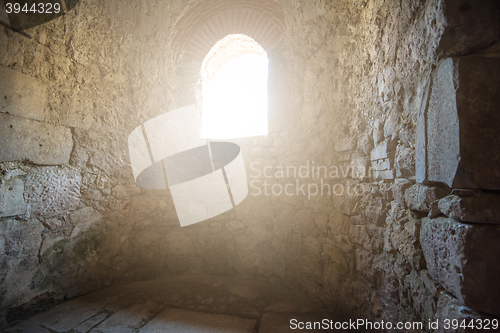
234 75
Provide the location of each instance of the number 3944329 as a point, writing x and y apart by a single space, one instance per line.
35 8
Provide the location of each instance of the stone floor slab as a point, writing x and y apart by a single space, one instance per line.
88 324
127 320
185 321
27 327
67 315
194 304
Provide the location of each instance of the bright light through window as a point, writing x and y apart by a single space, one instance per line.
235 96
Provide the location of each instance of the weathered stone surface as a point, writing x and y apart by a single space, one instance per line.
360 237
123 191
11 197
401 235
335 255
21 242
462 258
360 165
382 157
28 326
420 197
364 260
22 95
470 26
434 210
440 126
483 208
64 317
462 100
38 142
404 162
431 284
52 190
52 223
83 219
385 149
130 318
344 144
421 173
421 299
385 174
347 205
374 209
185 321
381 165
91 322
399 188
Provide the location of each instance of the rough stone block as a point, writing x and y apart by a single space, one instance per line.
21 244
385 174
360 165
64 317
22 95
379 165
464 259
431 284
364 261
130 318
360 237
83 219
52 224
399 188
91 322
416 293
374 209
74 107
440 123
347 205
484 208
52 190
404 162
420 197
385 149
12 198
462 145
38 142
420 141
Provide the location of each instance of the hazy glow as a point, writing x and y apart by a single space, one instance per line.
235 99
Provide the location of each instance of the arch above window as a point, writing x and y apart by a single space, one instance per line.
208 21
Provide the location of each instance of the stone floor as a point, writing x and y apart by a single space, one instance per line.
193 304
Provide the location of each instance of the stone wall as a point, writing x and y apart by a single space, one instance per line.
351 84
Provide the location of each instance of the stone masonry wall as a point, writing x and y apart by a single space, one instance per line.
347 85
